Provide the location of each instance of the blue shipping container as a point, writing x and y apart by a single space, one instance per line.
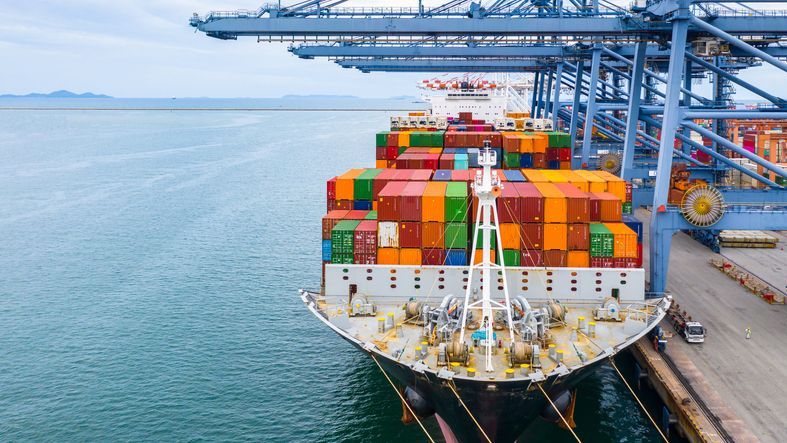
526 161
635 225
442 175
326 250
456 257
513 175
362 205
553 164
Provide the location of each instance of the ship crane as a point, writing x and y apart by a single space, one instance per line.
487 188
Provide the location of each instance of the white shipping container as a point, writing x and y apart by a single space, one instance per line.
387 235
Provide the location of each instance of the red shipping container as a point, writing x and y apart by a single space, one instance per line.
381 153
410 235
447 161
639 255
329 220
365 239
389 201
331 205
410 209
431 161
532 236
364 259
461 175
433 257
421 175
578 203
539 160
554 258
564 154
391 152
629 189
393 139
330 190
508 209
553 154
601 262
357 214
381 180
531 203
531 257
578 237
343 204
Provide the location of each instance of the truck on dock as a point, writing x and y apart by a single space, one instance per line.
692 331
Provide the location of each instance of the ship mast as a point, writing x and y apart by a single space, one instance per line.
487 187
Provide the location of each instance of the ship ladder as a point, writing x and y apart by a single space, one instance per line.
562 418
451 385
401 397
612 362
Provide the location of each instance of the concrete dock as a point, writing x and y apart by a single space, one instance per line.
749 376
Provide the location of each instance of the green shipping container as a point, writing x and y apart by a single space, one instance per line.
456 202
342 259
456 236
511 160
492 236
382 139
511 257
433 139
627 207
342 237
362 186
602 241
372 215
558 139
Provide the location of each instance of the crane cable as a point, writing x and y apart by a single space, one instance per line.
664 437
559 414
451 385
404 402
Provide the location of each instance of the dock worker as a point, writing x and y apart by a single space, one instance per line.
748 332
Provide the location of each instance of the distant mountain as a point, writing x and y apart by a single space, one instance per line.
290 96
404 97
56 94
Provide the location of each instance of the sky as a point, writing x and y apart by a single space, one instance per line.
145 48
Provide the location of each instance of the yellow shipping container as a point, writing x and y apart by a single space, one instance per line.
615 184
555 236
435 150
345 184
575 179
510 235
535 175
477 256
555 203
409 256
555 176
387 256
625 244
578 259
595 183
404 139
433 202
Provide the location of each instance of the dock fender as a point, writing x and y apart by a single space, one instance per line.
418 403
562 400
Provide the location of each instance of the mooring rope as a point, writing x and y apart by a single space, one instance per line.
612 362
559 414
402 398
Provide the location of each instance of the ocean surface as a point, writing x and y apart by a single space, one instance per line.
149 274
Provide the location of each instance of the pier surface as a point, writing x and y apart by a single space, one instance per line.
748 376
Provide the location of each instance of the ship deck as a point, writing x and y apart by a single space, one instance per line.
578 348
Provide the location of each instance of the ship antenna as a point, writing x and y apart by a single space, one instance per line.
487 188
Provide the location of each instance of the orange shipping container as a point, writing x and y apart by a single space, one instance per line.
615 184
477 255
433 204
404 139
578 259
387 256
625 245
555 236
540 143
535 176
433 235
527 144
345 184
555 204
595 183
381 164
409 256
577 180
510 235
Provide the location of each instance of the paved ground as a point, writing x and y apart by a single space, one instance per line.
769 265
751 375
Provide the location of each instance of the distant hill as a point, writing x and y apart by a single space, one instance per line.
289 96
403 97
56 94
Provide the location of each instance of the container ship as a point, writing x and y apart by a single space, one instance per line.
482 275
